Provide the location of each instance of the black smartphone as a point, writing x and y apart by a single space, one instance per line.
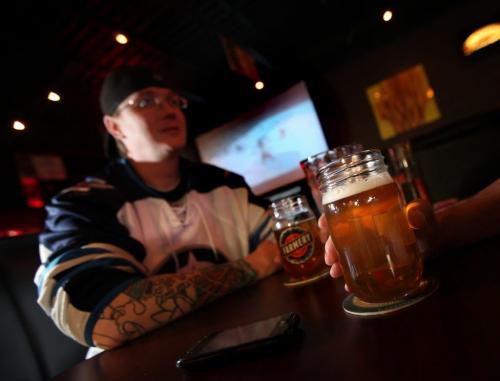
221 346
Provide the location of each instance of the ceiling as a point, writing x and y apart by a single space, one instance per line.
68 47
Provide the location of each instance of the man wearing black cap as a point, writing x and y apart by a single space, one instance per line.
155 236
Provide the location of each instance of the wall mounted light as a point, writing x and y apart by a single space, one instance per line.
480 38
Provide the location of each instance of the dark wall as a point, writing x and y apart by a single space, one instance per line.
460 160
464 86
457 153
10 191
70 132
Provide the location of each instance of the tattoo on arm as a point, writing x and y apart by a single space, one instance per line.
153 302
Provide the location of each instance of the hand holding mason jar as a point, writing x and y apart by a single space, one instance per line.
377 249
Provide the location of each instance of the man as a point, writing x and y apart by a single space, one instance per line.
155 236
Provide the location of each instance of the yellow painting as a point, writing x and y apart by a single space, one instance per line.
403 102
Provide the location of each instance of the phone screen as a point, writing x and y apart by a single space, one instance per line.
233 342
243 335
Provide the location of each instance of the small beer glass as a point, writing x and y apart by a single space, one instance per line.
378 251
297 235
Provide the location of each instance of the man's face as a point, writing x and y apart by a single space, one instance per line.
151 124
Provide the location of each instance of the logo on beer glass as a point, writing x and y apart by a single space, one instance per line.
297 245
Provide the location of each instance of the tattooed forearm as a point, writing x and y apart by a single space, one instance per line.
158 300
211 286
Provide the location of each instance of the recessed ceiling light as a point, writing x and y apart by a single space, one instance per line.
121 38
19 126
387 16
259 85
54 97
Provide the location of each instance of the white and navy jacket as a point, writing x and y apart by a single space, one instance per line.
108 232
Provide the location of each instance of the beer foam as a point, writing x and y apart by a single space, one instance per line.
348 190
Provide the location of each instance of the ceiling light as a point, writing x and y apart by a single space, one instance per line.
481 38
259 85
19 126
54 97
387 16
121 38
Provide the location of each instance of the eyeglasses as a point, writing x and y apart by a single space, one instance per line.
147 101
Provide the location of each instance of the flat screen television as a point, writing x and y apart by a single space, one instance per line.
266 145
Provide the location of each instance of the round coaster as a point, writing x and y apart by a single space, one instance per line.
354 306
303 282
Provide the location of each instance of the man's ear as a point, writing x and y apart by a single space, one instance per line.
112 127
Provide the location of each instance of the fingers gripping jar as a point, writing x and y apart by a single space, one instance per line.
378 251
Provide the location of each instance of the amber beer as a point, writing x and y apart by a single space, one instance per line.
378 251
297 235
301 249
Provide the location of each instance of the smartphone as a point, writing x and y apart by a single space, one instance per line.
221 346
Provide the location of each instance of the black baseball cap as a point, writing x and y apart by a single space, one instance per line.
126 80
119 84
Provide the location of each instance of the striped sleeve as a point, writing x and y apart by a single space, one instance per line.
87 258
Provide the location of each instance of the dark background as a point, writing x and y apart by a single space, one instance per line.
338 48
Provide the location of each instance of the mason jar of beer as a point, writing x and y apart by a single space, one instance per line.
297 235
378 251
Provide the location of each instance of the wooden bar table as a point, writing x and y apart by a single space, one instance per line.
452 335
